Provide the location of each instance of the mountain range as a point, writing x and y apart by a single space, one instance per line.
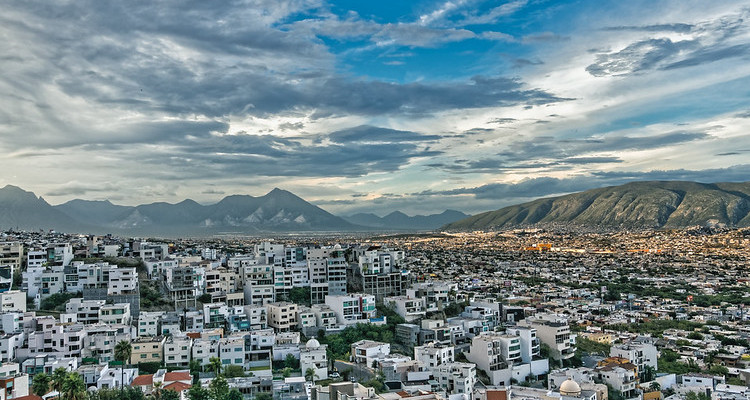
277 211
654 204
400 221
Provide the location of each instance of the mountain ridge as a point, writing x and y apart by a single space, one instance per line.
645 204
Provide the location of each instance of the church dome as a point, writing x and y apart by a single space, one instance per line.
570 388
312 343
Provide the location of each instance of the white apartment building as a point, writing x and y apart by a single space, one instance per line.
434 354
204 349
530 344
455 378
325 317
118 313
367 351
86 311
148 323
554 331
352 308
232 350
435 294
258 284
640 354
410 308
13 300
257 317
177 350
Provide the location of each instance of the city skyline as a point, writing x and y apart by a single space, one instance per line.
413 106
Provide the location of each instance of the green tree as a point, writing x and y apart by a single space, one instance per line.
215 364
58 379
291 361
654 386
234 394
123 350
170 395
648 374
718 370
40 384
219 388
310 374
73 387
263 396
196 392
234 371
286 372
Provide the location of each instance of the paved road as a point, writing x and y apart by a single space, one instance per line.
359 372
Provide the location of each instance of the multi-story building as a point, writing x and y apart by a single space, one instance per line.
327 266
232 350
11 257
148 349
118 313
378 272
455 378
177 350
554 331
12 300
257 317
204 349
434 354
282 316
325 317
642 354
530 344
86 311
437 295
148 323
410 308
352 308
367 351
258 284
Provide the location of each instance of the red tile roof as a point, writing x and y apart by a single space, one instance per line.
177 376
143 380
178 386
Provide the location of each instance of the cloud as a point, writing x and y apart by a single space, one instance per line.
545 186
636 57
708 41
676 27
373 134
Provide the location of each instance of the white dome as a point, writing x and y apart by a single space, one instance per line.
570 388
337 246
312 343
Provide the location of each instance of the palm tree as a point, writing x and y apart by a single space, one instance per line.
215 363
58 378
310 374
40 384
123 350
157 390
73 387
654 386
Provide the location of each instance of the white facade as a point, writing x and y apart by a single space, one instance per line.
367 351
353 308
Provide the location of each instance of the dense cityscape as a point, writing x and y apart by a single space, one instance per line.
519 314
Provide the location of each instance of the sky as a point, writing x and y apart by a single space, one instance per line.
362 106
